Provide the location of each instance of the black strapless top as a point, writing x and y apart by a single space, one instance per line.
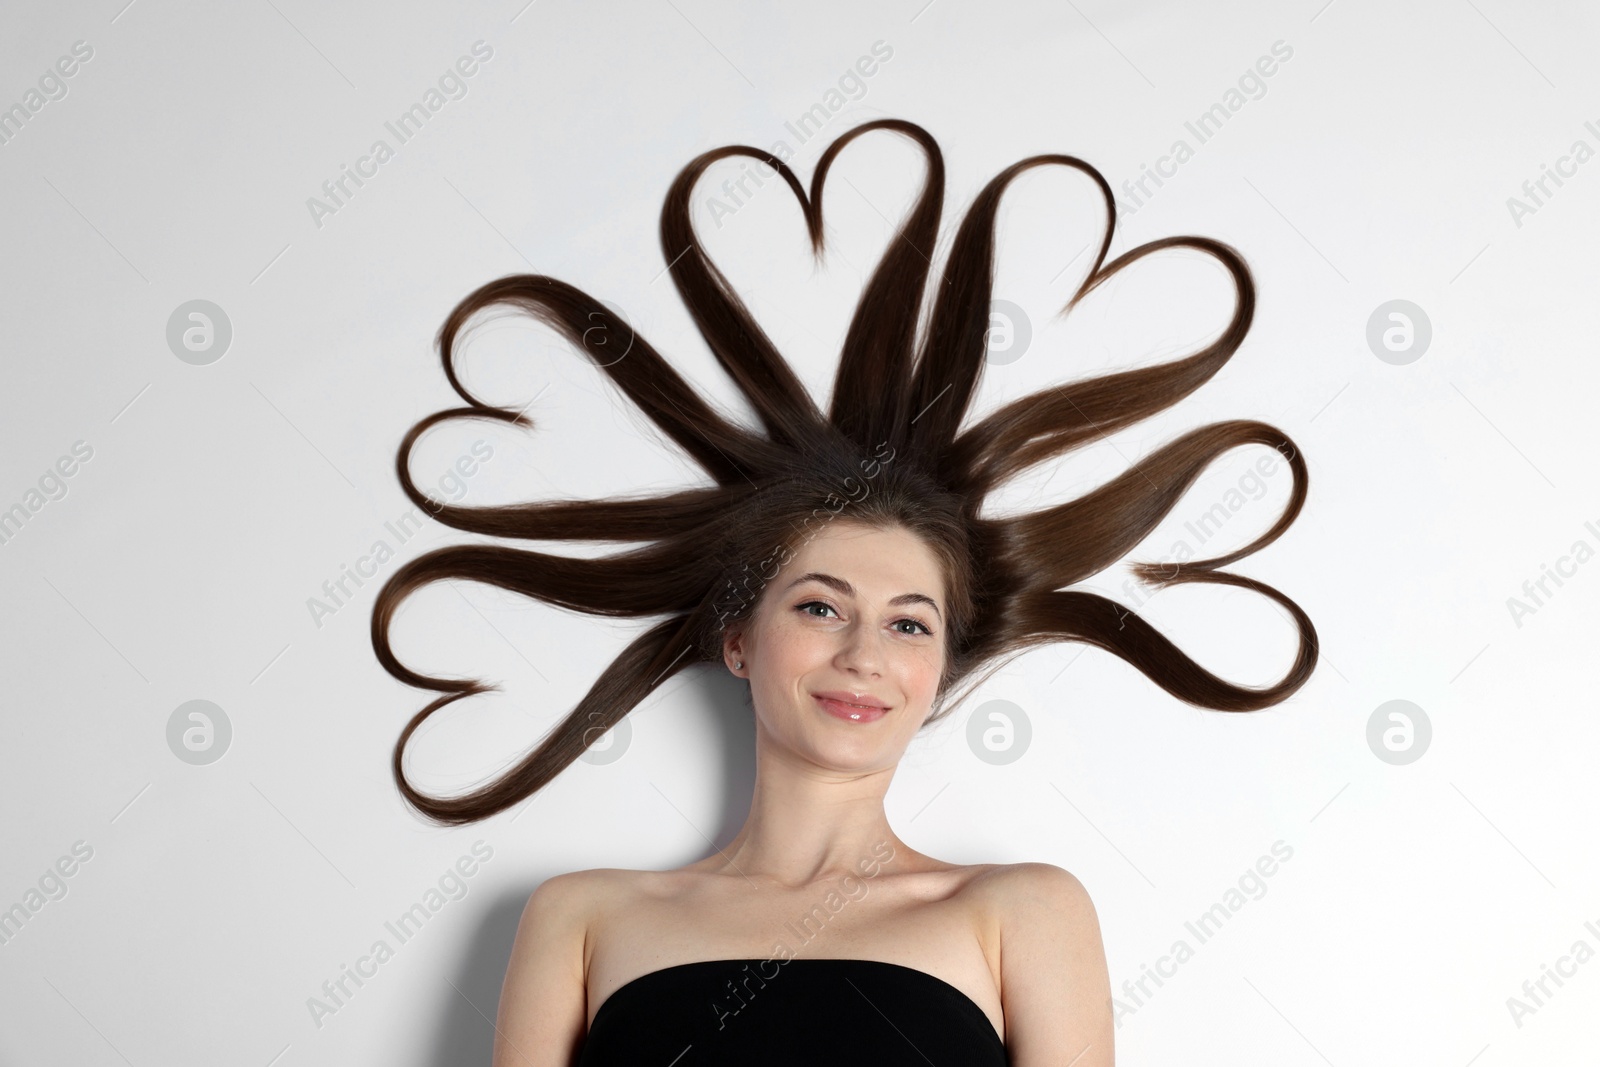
801 1011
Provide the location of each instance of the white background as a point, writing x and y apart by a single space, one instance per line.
1376 164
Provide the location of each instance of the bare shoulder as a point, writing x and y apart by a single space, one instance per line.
543 1002
1054 983
564 905
1026 885
597 886
583 900
1015 898
606 892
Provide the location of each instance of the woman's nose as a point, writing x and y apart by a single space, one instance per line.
860 650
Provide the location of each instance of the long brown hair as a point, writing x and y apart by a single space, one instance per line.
888 452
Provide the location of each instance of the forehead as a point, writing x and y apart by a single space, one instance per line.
880 563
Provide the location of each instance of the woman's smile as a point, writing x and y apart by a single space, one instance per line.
852 712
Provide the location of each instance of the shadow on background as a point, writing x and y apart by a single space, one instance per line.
469 1009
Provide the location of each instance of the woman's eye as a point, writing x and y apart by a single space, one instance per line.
923 627
814 604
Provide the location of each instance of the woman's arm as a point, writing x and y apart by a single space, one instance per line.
543 1004
1055 989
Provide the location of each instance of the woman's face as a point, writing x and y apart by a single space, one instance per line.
856 611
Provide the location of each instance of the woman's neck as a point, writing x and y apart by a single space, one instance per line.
809 825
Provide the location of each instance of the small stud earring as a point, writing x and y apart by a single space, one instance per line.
739 666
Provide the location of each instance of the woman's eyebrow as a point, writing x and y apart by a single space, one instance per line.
844 588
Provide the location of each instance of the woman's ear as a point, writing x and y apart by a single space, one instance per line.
733 652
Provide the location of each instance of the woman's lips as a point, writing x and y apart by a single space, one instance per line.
851 712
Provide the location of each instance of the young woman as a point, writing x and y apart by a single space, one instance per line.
839 564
